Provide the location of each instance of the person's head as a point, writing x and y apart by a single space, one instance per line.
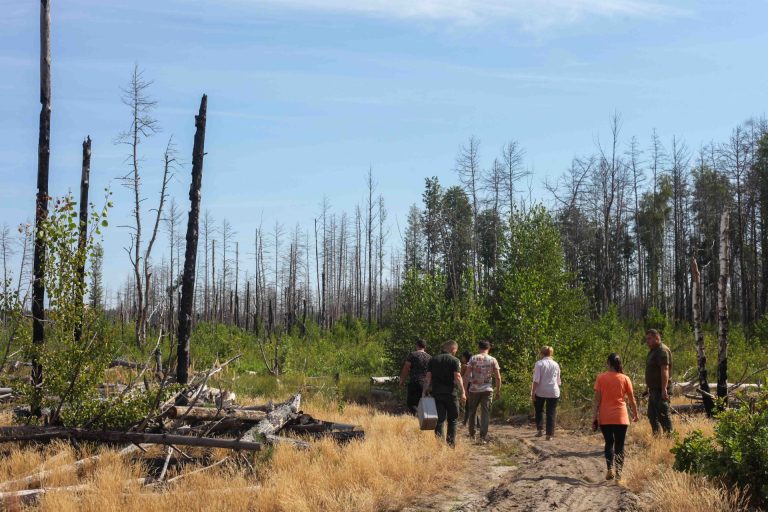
466 356
652 338
547 351
484 345
451 347
614 363
420 344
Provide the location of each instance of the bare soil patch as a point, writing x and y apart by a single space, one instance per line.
517 471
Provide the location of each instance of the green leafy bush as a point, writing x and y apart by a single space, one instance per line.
738 452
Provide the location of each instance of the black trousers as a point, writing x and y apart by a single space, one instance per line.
614 436
413 396
447 410
550 404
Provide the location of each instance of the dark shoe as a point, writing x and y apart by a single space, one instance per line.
539 433
609 474
550 437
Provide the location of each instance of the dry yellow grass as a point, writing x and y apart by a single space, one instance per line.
648 471
394 464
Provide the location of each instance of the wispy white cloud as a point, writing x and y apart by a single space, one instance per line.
533 15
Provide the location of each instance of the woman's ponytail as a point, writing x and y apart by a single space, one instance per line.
614 361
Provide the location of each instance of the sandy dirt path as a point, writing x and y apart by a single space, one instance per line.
526 473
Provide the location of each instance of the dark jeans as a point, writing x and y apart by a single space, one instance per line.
413 396
551 408
614 436
447 409
658 412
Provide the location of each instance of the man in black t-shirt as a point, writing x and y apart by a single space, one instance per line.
443 381
415 367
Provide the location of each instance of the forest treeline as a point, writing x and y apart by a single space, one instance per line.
629 215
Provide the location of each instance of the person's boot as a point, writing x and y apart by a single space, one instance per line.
609 474
539 433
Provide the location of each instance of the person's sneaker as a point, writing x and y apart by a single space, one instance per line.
609 474
539 433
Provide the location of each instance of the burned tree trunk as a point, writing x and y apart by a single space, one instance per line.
699 334
41 201
190 254
83 234
722 312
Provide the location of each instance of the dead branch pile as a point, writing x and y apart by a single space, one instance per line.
197 416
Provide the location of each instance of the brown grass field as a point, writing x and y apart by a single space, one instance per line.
393 467
389 469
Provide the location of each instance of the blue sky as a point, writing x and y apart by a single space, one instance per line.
306 95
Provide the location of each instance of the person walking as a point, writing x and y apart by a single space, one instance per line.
658 368
482 371
415 373
465 357
545 391
442 382
613 391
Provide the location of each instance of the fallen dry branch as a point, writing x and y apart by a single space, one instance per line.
274 420
210 413
37 479
29 433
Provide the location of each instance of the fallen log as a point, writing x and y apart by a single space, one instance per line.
6 391
384 380
30 495
124 363
274 421
296 443
30 433
36 479
210 413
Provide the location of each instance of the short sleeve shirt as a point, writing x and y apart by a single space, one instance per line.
419 361
480 372
546 373
657 358
443 367
613 387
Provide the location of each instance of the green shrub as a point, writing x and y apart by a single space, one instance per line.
738 452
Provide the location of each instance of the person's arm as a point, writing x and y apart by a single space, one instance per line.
498 380
596 405
631 399
536 379
664 381
427 384
459 382
404 373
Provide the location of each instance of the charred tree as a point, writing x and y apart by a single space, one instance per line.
83 233
41 201
699 335
190 253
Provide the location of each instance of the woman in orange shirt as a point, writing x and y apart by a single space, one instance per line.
613 390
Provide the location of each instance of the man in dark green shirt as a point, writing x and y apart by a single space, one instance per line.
443 381
658 366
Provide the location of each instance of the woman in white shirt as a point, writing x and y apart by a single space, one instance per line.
545 391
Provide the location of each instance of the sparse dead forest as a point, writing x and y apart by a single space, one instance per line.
210 340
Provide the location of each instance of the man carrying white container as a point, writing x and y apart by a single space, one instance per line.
443 381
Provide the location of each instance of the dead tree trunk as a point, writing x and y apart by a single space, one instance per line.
41 201
722 312
190 254
699 334
83 234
